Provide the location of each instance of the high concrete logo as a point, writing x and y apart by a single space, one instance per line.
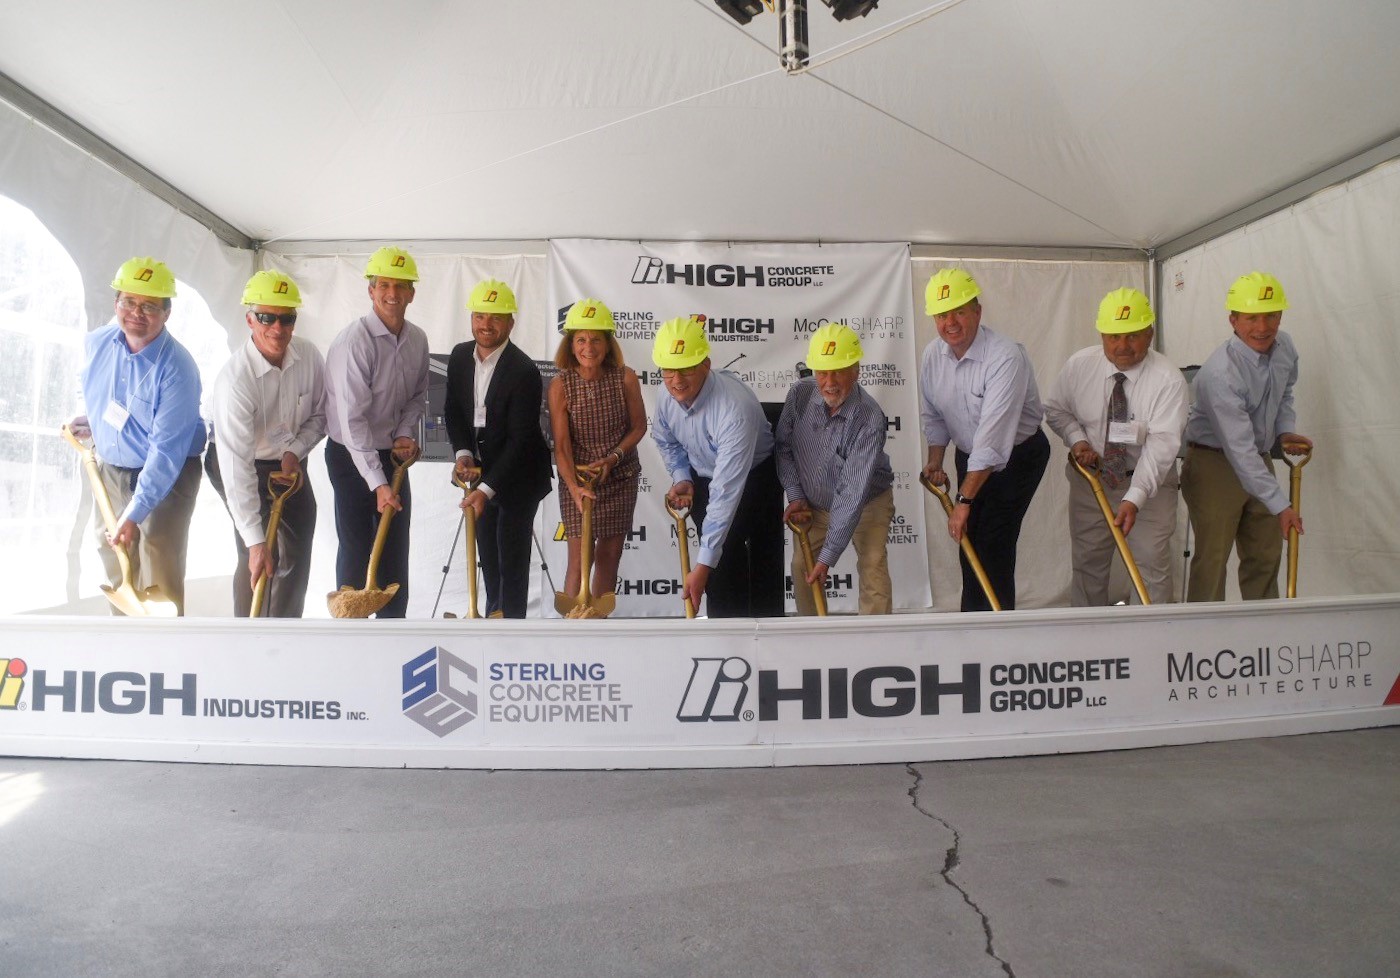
438 691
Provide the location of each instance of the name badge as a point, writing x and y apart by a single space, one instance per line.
479 421
116 415
1126 432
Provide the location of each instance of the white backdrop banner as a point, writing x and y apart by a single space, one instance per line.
761 303
709 693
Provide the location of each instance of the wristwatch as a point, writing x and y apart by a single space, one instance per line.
960 499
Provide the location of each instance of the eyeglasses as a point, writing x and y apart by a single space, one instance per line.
667 373
288 319
147 309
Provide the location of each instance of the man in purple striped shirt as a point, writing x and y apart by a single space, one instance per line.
833 465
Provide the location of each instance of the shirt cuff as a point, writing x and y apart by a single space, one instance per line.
487 491
1136 496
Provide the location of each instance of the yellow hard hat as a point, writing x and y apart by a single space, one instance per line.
1125 311
590 314
491 296
680 343
1256 292
391 262
950 288
834 346
272 289
145 276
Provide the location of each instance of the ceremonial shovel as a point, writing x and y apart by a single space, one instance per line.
290 484
469 514
1091 476
146 603
349 602
679 514
585 605
804 544
966 545
1295 499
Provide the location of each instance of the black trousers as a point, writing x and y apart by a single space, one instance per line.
357 522
994 525
286 591
750 579
503 536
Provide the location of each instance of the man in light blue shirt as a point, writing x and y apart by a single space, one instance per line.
718 449
978 391
141 395
1244 404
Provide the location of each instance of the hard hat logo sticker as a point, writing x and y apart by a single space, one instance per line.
1124 313
145 274
829 349
1265 293
678 348
398 261
944 291
491 296
281 288
588 313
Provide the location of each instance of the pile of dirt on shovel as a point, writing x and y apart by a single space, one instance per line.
356 604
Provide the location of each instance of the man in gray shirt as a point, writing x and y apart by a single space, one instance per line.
1244 403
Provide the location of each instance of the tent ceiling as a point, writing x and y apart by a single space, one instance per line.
1020 122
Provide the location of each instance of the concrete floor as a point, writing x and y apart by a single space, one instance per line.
1254 858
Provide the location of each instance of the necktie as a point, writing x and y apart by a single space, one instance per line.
1115 454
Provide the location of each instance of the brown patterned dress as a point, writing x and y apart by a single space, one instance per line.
597 422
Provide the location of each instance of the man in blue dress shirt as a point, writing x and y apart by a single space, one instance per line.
141 394
718 449
1244 404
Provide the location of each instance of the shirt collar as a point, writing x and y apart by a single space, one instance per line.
1250 354
974 352
259 364
149 351
492 358
711 382
1132 373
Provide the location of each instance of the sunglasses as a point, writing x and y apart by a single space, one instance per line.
268 318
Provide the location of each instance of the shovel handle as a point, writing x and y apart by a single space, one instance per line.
395 484
965 544
680 514
804 546
104 505
1303 452
280 485
1091 475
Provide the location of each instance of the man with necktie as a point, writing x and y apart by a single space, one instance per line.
1120 405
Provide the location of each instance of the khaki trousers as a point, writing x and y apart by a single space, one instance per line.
1223 515
1093 550
872 563
159 558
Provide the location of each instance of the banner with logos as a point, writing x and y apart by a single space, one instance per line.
489 694
761 304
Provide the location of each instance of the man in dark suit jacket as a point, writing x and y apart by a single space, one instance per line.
493 419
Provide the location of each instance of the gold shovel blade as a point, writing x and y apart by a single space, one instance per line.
150 603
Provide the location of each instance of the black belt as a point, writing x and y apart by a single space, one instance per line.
1209 448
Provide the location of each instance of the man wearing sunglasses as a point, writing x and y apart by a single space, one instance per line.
141 394
269 411
376 393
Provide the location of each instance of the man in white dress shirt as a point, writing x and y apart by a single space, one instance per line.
376 394
269 411
1142 487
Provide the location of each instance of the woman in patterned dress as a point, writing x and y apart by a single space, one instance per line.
596 409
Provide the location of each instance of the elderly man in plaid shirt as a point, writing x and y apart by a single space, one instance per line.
832 464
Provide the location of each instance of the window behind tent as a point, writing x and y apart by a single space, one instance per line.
41 336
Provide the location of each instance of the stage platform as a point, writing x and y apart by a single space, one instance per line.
677 694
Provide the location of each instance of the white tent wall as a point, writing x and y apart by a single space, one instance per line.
103 218
1335 253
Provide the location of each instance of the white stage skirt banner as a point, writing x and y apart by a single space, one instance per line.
490 694
761 304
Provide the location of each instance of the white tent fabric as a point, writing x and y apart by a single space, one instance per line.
1014 122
